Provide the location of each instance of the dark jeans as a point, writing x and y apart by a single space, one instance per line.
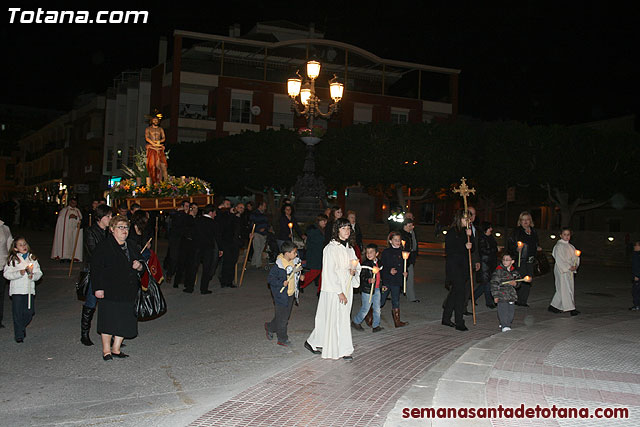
91 300
526 269
229 260
456 301
395 296
280 320
21 314
484 288
635 291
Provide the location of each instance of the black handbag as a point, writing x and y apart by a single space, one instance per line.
82 285
541 264
150 304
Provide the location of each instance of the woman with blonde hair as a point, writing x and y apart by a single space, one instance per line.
523 245
115 268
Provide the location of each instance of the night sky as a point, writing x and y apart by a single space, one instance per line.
535 62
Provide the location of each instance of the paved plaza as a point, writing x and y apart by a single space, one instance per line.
208 363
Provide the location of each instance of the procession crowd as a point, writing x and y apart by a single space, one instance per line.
114 247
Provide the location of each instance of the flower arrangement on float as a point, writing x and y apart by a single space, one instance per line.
172 187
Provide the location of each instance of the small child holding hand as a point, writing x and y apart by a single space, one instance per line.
23 271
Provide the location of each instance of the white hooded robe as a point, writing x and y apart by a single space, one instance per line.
332 329
565 256
65 235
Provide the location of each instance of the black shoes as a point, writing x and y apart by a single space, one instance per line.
120 355
467 313
522 304
348 358
462 328
356 326
206 292
449 323
106 357
553 309
377 329
286 343
266 329
416 300
574 312
491 306
189 291
19 340
308 347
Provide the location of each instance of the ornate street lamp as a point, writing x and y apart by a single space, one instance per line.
309 104
309 189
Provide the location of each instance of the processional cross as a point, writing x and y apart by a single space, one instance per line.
464 191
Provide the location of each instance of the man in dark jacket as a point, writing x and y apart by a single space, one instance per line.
205 250
93 235
411 246
179 239
230 241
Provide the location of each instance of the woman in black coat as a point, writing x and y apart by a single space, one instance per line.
488 248
457 248
115 268
524 254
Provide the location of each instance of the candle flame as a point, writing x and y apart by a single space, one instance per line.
354 263
527 278
520 244
578 252
290 225
405 254
404 242
376 270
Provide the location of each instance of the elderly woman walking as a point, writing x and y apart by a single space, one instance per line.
115 268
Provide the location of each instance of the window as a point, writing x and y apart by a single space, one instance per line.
119 158
362 113
282 114
399 117
240 107
110 159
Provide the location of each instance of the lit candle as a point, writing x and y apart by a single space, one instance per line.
30 268
291 230
404 242
373 284
578 253
520 246
405 257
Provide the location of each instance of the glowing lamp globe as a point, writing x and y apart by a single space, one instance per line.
305 94
313 69
336 90
293 87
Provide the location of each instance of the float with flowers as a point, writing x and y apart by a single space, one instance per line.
166 194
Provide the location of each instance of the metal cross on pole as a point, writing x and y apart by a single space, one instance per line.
464 191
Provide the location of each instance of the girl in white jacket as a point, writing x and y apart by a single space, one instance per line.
22 270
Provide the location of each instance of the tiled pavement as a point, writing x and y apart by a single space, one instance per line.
586 361
320 392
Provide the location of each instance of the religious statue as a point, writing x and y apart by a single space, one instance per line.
156 159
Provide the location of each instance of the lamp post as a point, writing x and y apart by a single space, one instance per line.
309 189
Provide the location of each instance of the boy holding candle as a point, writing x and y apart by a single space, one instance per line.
370 289
503 289
283 280
393 275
